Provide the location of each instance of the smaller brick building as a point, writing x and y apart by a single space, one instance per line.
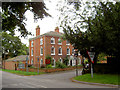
12 63
50 44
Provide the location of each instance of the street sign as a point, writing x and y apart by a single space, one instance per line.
91 56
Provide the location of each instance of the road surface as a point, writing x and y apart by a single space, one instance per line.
51 80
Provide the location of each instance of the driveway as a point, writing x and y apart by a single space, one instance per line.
51 80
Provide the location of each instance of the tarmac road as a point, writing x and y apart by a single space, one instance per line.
51 80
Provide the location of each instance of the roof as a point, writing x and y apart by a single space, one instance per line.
18 58
51 33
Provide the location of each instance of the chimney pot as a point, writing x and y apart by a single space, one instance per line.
57 29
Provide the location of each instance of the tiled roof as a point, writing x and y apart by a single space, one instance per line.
51 33
18 58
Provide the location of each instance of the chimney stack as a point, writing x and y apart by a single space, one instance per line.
37 30
57 29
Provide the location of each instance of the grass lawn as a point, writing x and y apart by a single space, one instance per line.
99 78
23 72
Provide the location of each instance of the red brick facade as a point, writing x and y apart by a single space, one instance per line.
47 46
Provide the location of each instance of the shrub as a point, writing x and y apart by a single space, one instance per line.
43 66
29 65
49 66
66 60
60 65
48 60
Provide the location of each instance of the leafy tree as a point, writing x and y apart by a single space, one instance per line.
100 22
66 60
13 15
12 45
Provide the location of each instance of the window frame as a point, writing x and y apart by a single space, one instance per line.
69 51
67 42
41 41
53 40
59 43
40 51
41 60
32 43
58 51
31 51
53 51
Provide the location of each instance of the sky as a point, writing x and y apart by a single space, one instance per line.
46 24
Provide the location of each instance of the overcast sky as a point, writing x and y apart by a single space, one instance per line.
46 24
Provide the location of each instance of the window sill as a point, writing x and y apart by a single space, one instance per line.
52 43
41 54
59 43
68 54
60 54
52 54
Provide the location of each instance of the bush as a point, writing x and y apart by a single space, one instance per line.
49 66
66 60
60 65
29 65
43 66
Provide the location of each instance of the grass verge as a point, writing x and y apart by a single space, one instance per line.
99 78
23 72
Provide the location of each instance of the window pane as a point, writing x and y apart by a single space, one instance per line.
41 51
52 50
68 51
59 51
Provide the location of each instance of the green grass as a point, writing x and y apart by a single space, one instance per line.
99 78
23 72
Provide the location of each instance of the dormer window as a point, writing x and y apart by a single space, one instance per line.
52 40
67 42
59 41
32 44
41 41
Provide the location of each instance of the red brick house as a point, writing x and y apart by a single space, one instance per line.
50 44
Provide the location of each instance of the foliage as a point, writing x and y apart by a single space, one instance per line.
102 56
13 15
60 65
13 45
43 66
85 61
49 66
99 78
98 25
48 57
66 60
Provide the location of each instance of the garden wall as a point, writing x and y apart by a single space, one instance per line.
50 70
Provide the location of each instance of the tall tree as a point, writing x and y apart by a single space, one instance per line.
13 15
102 23
12 45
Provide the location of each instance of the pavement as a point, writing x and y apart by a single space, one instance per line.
51 80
